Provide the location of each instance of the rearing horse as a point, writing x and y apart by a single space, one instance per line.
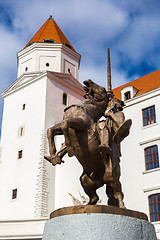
82 131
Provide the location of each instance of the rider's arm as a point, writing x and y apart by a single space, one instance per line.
116 117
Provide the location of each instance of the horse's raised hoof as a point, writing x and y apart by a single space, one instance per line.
54 160
48 158
70 151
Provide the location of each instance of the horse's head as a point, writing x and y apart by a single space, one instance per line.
95 91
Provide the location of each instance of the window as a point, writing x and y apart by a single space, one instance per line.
24 106
48 41
64 99
154 207
20 131
26 69
19 154
151 157
14 193
47 64
127 95
149 116
29 44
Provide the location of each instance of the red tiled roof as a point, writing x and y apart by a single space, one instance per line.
50 30
143 84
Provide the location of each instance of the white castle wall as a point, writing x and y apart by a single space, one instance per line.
21 173
58 58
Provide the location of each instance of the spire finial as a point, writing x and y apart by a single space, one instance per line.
109 71
51 12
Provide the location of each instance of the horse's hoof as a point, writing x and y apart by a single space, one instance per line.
48 158
70 151
93 200
56 160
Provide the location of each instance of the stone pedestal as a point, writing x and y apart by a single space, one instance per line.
98 223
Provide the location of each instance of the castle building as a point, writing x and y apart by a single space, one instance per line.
140 165
30 187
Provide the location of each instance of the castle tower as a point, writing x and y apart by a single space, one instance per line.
30 187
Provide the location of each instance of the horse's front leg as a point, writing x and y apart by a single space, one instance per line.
77 124
51 133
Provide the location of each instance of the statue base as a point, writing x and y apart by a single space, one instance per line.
98 222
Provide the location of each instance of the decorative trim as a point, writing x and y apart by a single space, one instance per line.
149 141
151 170
151 189
137 99
41 199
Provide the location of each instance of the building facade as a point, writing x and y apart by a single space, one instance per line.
47 81
140 150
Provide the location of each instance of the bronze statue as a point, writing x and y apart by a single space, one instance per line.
95 143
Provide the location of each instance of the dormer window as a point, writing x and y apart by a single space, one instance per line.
29 44
48 41
66 44
128 92
127 95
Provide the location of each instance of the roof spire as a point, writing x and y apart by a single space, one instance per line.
49 32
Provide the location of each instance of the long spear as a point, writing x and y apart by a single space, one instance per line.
109 71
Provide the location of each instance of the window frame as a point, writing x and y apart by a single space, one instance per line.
21 131
20 154
126 94
14 193
155 204
152 156
149 115
65 99
24 106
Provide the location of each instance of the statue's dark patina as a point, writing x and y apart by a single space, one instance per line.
94 142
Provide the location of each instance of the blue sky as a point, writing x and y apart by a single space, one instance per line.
130 28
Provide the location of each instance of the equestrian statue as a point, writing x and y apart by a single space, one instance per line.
93 135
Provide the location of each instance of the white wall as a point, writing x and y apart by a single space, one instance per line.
63 178
139 184
59 58
21 173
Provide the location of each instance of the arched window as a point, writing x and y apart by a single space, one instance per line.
154 207
151 157
64 99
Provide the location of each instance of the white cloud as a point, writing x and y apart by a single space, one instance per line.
99 75
130 28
